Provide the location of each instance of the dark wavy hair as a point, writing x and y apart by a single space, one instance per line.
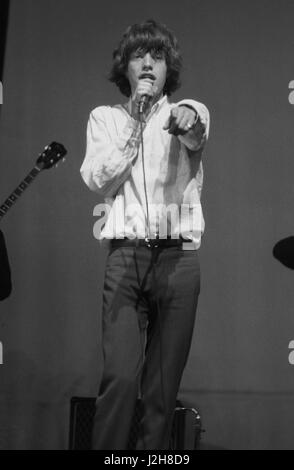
153 37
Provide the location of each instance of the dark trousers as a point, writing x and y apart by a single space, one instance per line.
148 320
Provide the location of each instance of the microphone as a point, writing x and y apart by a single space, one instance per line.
145 99
143 103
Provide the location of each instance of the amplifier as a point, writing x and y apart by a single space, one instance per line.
186 429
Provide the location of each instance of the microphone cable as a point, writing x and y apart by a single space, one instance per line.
153 267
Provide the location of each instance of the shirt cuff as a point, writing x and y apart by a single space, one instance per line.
202 112
130 135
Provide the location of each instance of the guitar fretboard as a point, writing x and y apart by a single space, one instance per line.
18 191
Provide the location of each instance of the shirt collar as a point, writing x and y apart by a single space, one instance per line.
159 104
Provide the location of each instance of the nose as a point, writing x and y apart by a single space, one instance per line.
148 62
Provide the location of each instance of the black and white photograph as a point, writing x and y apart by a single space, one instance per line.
146 227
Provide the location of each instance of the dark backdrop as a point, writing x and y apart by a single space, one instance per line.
239 61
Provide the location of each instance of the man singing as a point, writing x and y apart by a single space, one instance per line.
144 157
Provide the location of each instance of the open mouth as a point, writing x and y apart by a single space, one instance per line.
147 75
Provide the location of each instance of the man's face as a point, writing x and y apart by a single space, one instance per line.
147 66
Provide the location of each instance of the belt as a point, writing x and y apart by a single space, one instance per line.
150 242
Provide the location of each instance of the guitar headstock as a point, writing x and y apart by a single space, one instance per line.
51 155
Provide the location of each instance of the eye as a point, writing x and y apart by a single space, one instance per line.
138 54
158 55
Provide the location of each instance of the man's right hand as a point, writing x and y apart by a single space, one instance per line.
145 87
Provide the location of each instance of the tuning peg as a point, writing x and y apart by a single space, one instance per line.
63 160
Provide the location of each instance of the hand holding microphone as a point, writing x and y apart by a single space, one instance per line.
143 96
144 102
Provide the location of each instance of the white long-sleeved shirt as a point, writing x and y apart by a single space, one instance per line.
113 167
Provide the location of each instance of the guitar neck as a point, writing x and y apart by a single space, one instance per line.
7 205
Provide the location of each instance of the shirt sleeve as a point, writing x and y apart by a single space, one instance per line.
197 137
109 158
